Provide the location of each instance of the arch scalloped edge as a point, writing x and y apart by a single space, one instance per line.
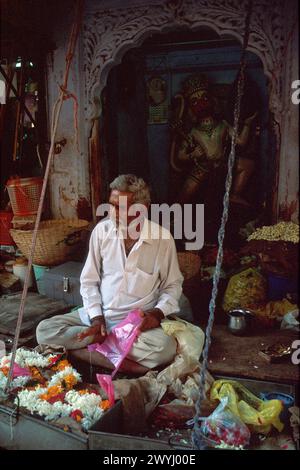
93 94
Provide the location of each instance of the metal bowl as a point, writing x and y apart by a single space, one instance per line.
239 321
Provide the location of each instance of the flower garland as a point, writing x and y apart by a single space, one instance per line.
27 358
16 383
86 408
90 405
68 375
30 399
54 398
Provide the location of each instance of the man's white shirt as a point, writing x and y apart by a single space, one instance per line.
112 284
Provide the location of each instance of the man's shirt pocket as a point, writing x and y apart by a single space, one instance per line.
140 283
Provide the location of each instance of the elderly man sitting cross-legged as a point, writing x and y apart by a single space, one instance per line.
123 273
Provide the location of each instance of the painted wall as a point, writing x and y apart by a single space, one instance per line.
70 172
69 178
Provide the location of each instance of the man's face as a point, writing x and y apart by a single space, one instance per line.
120 202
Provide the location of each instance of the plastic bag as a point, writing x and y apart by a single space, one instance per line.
116 347
106 383
259 415
272 312
190 340
244 289
223 426
290 321
182 375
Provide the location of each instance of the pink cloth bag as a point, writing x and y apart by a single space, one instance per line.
116 347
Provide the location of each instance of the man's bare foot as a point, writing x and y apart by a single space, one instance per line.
97 359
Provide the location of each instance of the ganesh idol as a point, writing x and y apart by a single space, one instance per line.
201 139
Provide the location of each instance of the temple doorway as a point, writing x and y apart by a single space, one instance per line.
147 122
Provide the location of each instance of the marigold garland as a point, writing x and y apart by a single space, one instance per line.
56 397
61 365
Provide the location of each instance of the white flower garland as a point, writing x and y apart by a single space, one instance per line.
16 383
30 400
57 378
26 358
88 403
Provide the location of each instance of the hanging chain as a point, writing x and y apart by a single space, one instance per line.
197 439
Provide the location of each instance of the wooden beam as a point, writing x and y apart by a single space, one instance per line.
95 167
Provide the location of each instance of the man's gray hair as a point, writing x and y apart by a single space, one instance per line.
133 184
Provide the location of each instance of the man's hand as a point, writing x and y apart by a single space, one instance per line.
152 319
97 330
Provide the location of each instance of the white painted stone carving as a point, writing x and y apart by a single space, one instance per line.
109 33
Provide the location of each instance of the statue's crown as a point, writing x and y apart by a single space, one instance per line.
194 83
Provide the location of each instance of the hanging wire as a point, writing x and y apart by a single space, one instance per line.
197 438
54 124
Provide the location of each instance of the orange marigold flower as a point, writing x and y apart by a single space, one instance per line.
61 365
52 392
70 380
105 405
83 392
44 396
36 375
5 370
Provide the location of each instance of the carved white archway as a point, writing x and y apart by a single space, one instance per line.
109 33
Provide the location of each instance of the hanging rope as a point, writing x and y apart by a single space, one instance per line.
55 118
197 438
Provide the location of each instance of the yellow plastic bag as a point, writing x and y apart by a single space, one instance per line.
244 289
275 309
259 415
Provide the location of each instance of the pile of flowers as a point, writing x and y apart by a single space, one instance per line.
50 392
283 231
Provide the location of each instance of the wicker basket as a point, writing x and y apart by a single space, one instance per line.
56 240
189 264
24 195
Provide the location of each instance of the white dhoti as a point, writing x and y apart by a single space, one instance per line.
151 349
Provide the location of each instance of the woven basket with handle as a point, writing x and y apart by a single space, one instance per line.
56 240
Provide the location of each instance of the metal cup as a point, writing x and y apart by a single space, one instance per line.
239 321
